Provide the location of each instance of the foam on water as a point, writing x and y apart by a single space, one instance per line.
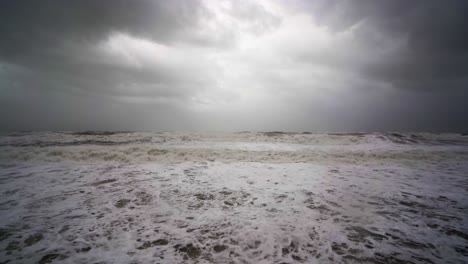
239 198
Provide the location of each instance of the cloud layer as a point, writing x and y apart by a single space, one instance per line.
234 65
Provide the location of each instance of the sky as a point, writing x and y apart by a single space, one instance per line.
214 65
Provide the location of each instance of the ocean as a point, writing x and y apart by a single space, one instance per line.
246 197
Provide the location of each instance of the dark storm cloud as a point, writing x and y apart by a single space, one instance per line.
53 39
28 23
33 28
436 34
327 65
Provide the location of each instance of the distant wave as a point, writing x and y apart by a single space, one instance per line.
75 143
98 133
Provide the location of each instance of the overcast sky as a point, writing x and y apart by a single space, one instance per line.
287 65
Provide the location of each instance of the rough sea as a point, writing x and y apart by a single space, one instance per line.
247 197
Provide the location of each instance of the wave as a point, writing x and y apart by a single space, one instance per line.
76 143
273 146
98 133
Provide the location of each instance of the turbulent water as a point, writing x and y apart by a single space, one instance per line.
244 197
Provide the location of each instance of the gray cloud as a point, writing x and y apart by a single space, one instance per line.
53 21
435 34
55 39
283 65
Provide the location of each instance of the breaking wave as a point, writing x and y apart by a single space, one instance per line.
246 146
